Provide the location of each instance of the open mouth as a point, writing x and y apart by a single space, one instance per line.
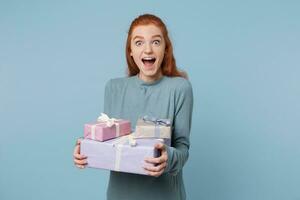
148 61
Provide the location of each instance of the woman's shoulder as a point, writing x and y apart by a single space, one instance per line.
181 89
179 83
117 82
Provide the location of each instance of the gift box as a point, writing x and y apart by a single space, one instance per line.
150 127
106 128
123 154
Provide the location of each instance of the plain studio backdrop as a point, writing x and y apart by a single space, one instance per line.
243 60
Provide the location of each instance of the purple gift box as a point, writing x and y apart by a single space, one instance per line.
106 128
120 154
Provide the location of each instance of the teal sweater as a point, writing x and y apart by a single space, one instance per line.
169 97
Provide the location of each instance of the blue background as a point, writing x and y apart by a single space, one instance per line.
243 60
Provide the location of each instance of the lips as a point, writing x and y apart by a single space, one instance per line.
148 61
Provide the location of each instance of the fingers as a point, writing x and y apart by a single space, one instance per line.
155 174
80 160
78 141
160 146
156 170
80 166
160 163
77 154
158 160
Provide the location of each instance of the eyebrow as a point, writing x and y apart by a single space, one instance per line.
154 36
140 37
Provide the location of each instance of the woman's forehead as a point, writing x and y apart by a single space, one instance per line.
146 31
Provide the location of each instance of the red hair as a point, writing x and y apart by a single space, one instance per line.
168 65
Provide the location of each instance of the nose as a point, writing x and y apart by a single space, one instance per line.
148 48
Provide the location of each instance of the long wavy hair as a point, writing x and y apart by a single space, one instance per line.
168 65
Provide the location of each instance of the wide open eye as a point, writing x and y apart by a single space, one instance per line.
138 43
156 42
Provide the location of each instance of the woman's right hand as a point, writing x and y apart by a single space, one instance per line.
79 160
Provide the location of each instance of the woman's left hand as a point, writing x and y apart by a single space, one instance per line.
160 163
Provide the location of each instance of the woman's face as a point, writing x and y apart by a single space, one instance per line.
147 51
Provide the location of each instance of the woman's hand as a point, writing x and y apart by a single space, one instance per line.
160 163
79 160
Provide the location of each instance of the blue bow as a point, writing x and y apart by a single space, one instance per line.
157 121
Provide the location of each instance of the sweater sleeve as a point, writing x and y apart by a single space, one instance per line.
178 153
107 98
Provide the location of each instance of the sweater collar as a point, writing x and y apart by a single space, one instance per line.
141 82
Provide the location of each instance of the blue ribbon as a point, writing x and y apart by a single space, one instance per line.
157 122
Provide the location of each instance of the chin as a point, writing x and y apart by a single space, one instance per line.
150 72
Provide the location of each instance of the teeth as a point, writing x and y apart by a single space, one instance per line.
148 58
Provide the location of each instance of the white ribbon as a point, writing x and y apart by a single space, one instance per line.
93 130
119 145
109 121
118 157
117 129
103 118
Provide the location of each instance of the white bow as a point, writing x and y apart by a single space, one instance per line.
109 121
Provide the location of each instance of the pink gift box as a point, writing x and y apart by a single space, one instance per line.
101 132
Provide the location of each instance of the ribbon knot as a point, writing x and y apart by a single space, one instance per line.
105 119
157 121
128 139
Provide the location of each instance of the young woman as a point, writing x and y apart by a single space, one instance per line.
154 87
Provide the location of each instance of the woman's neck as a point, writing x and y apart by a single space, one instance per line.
150 79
